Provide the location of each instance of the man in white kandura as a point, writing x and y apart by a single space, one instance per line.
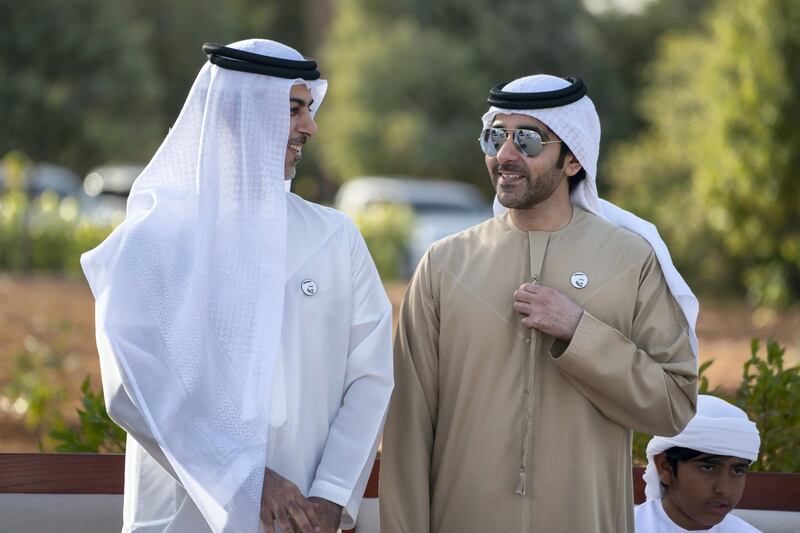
244 334
531 345
694 479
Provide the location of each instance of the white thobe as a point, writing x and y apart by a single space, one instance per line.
650 517
332 386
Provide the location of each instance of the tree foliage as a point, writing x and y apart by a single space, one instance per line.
717 168
174 49
89 81
391 100
770 395
409 80
96 432
61 64
627 42
85 82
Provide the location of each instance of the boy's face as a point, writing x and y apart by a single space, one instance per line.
703 490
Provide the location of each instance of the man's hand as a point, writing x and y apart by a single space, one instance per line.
329 513
283 502
547 310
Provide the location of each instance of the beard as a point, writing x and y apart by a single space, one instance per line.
291 160
289 171
526 191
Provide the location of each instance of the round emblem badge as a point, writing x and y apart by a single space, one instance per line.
309 287
579 280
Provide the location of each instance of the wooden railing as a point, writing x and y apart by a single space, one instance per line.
43 473
61 473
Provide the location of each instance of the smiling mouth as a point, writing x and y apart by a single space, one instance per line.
509 174
296 149
509 180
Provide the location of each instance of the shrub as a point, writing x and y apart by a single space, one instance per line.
45 234
386 229
35 390
96 432
770 395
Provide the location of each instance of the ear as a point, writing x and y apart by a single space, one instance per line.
664 469
571 165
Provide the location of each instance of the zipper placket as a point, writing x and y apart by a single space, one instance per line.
522 482
538 247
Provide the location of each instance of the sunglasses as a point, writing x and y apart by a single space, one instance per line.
528 142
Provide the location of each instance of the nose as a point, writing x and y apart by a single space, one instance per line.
723 484
508 151
307 125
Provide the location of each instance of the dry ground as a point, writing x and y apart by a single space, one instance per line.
59 312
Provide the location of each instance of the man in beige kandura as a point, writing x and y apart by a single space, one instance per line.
530 347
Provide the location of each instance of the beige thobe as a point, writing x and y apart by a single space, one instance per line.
469 374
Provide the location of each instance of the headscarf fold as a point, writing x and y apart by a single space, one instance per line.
189 288
718 428
578 125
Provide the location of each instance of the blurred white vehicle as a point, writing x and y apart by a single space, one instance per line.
42 177
107 188
441 208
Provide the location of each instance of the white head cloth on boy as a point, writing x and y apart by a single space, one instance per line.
718 428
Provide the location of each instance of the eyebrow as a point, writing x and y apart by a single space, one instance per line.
716 460
711 460
542 133
301 102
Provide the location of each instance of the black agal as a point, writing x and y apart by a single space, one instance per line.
234 59
541 100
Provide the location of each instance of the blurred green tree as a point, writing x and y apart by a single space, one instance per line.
74 79
174 49
627 41
91 81
401 99
409 79
717 167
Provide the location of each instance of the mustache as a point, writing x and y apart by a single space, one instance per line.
300 139
510 167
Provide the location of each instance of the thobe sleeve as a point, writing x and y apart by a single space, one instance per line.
411 423
350 450
647 382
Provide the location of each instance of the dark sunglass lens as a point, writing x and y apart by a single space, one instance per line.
497 136
529 142
487 143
